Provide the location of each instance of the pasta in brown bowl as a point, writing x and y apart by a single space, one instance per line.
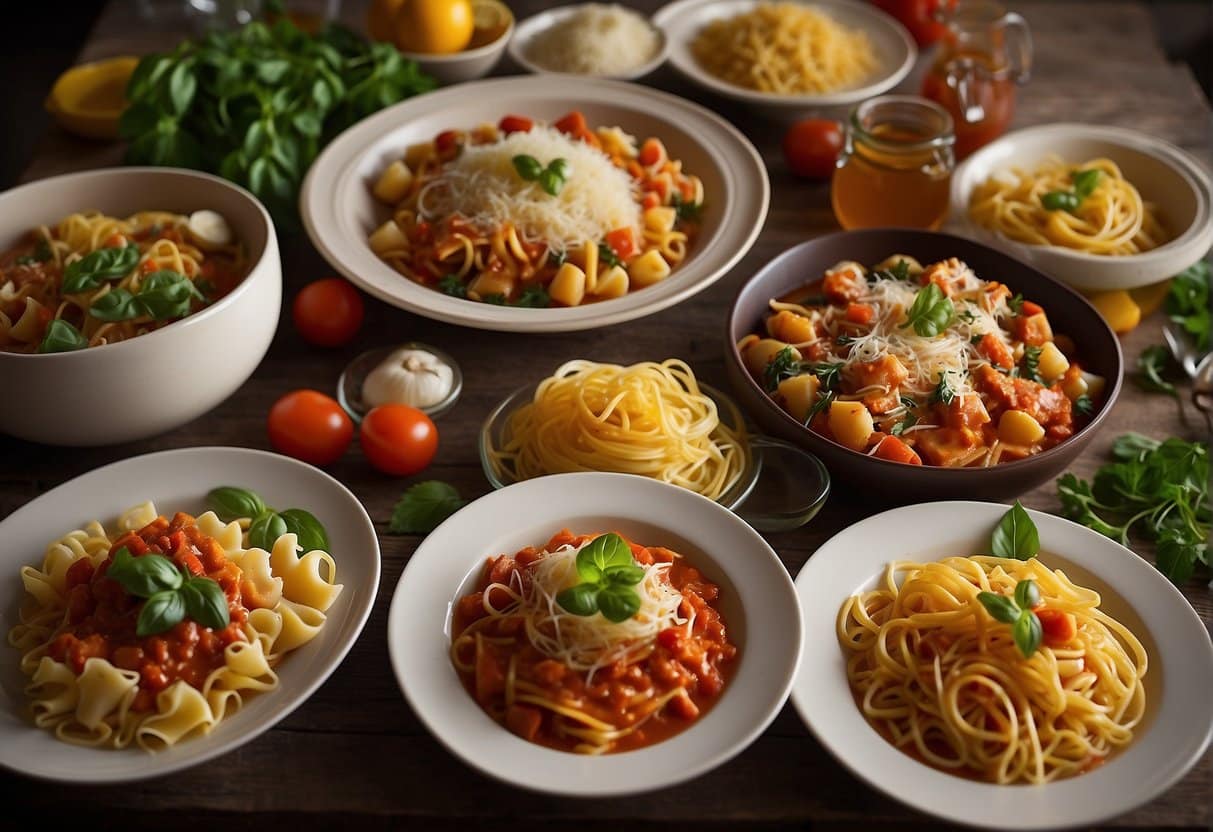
917 365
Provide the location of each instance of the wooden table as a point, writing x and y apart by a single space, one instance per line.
354 753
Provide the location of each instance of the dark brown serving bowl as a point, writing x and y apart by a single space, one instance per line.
1068 311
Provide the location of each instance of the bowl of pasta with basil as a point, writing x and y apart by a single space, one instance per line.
177 627
111 278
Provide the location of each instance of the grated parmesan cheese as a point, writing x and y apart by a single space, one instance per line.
597 39
482 186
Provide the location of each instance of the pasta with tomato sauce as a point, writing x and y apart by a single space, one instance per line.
534 215
98 677
922 365
592 680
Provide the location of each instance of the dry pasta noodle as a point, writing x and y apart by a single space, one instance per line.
941 679
650 419
1112 220
785 49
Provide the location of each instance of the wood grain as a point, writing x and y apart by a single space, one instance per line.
354 753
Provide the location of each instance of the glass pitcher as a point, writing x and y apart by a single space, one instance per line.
986 52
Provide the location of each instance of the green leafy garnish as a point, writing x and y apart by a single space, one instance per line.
1015 304
1188 303
61 337
267 524
1083 405
1154 365
423 507
685 209
783 366
899 271
265 529
534 297
944 392
557 257
527 166
931 312
453 286
1016 535
172 593
1017 611
103 265
162 296
608 572
824 399
607 255
828 373
907 421
25 260
1084 184
496 299
1159 490
42 250
550 178
1031 363
232 503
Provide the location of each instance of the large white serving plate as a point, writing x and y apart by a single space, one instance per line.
757 600
178 481
340 212
1179 713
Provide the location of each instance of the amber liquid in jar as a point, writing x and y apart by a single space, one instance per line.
897 168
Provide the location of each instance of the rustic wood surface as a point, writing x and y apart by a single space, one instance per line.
355 753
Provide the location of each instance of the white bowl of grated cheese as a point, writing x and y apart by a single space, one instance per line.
605 41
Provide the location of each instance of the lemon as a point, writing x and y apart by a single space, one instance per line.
381 19
88 99
434 27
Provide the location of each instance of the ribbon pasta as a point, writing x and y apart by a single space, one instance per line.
286 594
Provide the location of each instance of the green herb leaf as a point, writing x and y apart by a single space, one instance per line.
1015 304
304 525
560 167
1133 446
165 294
423 507
161 612
534 297
827 373
607 255
931 312
551 182
1177 555
115 305
602 552
1016 535
618 603
1083 405
581 599
181 87
1027 633
496 299
100 266
1188 303
528 167
265 529
1031 363
943 393
1153 365
624 574
1085 182
61 337
1000 607
453 286
205 602
1027 595
824 399
783 366
231 502
143 576
685 209
900 271
1060 201
906 422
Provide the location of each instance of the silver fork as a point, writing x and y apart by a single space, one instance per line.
1202 389
1198 366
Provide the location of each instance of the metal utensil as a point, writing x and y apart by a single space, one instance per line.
1202 389
1182 348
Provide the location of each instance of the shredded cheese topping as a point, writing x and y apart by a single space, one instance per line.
598 39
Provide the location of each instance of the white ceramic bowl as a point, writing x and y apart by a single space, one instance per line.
1164 174
99 395
757 600
467 65
528 29
1179 711
340 212
892 46
179 480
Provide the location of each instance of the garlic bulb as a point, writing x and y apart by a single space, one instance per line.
408 376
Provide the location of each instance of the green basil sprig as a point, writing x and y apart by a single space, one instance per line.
1085 182
62 337
550 178
1017 611
1016 535
231 502
608 572
931 312
171 592
163 295
423 507
100 266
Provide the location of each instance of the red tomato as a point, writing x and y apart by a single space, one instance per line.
398 439
918 16
812 146
328 312
310 426
516 124
621 242
571 124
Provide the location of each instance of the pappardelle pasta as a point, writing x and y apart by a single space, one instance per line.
533 215
153 631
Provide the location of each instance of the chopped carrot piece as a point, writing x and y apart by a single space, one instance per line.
650 200
573 123
515 124
995 350
1029 309
1057 626
860 313
895 450
650 152
622 242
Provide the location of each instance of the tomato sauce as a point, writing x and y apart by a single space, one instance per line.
700 663
102 615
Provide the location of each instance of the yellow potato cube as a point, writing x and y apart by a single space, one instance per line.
612 284
487 284
798 394
388 237
1095 384
1052 364
568 286
393 183
418 153
1074 387
791 327
851 424
660 218
648 268
758 354
1018 428
1118 309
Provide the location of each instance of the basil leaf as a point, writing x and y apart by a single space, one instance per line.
560 167
61 337
114 305
581 599
167 294
161 612
1059 201
617 603
533 297
143 576
1083 405
628 575
551 182
423 507
528 167
1027 595
1085 182
206 603
1133 446
943 392
1153 365
265 529
1176 558
453 286
602 552
305 526
181 87
931 312
100 266
1000 607
232 503
1016 535
1027 633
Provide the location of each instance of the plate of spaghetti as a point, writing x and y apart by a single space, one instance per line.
525 206
146 636
1059 683
1098 207
628 636
785 57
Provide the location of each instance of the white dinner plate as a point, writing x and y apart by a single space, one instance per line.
178 481
757 601
340 212
1179 708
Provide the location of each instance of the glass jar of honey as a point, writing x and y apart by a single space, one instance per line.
896 165
984 54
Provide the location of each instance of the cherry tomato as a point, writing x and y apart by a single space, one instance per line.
328 312
398 439
812 146
919 16
515 124
310 426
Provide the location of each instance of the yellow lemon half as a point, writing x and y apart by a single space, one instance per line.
89 99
